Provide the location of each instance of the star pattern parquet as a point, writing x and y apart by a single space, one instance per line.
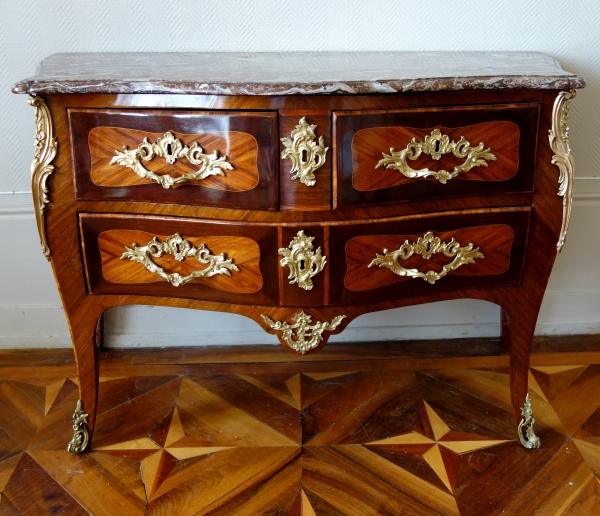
424 442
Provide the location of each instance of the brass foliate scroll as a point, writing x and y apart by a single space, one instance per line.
80 432
563 159
307 335
436 145
41 166
303 262
527 436
171 149
306 155
180 249
427 246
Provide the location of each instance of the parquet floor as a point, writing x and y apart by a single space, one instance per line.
185 437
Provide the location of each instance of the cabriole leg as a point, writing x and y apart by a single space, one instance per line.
84 324
519 332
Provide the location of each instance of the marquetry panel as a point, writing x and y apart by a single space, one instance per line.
363 137
247 139
339 442
494 242
501 236
252 248
368 145
244 253
240 150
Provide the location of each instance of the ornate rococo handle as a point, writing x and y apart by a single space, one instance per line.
41 166
436 145
306 155
303 262
563 159
307 336
427 246
180 249
171 149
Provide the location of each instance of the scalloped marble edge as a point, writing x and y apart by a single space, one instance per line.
293 73
34 87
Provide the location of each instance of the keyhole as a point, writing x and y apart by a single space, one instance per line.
437 146
304 155
169 149
301 265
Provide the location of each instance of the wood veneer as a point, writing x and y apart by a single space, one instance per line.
361 138
243 252
493 241
76 216
240 149
502 237
105 239
247 139
164 440
368 146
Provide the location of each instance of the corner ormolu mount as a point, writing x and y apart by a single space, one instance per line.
80 432
41 166
527 435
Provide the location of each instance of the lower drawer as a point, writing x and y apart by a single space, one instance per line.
427 254
363 262
158 256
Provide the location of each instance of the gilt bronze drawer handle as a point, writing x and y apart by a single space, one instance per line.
180 249
427 246
171 149
306 155
303 262
436 145
307 336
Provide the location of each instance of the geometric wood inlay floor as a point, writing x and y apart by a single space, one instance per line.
388 442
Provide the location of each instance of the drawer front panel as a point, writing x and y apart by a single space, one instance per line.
236 271
390 156
179 258
416 256
208 159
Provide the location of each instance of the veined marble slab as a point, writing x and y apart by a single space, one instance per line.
284 73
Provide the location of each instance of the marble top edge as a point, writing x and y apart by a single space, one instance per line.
295 73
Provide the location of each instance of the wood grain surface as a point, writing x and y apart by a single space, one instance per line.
240 150
247 139
350 443
106 238
369 145
75 201
244 253
362 136
494 242
503 237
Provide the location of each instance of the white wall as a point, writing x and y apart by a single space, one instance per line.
30 311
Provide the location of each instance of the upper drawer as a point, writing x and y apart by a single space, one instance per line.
388 156
194 158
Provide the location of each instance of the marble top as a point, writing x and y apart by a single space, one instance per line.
295 73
